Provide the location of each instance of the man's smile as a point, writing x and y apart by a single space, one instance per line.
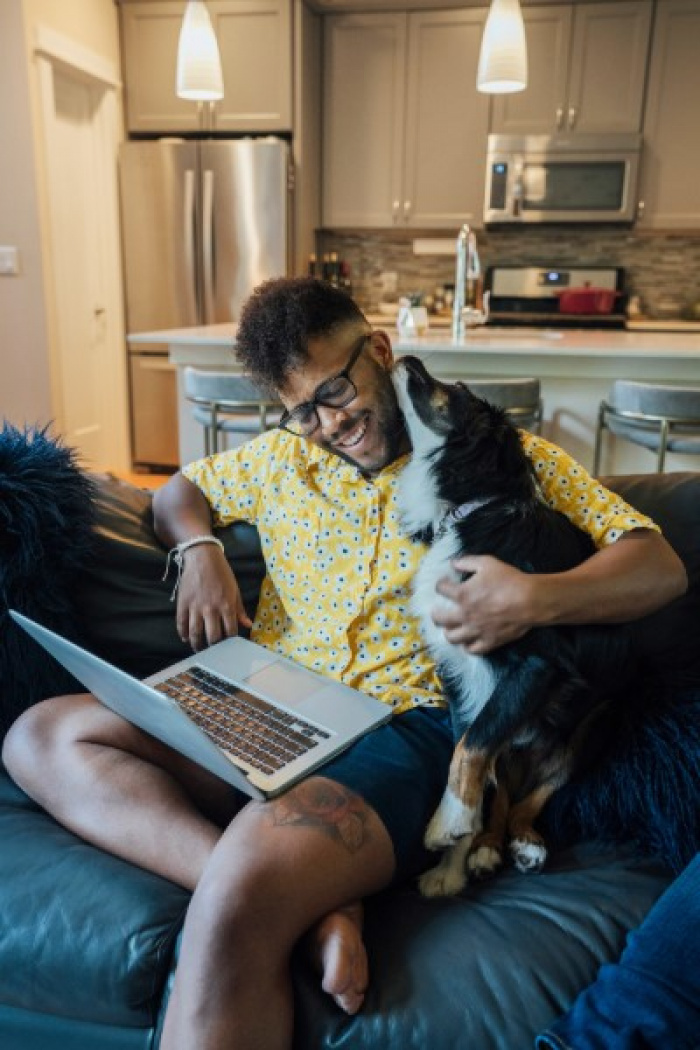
352 438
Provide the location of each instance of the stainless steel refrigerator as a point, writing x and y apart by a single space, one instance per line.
203 222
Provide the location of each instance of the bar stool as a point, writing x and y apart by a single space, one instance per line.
228 404
520 398
660 416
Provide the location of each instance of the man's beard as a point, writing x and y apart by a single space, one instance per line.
388 419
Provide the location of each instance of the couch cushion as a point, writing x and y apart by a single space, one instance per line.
491 968
128 616
82 934
673 501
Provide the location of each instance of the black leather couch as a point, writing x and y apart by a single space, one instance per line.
88 943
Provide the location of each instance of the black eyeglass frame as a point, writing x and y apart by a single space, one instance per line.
309 407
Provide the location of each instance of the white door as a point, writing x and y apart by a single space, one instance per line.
88 351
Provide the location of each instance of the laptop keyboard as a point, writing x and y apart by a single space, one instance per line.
255 731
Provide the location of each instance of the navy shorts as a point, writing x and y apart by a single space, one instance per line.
400 770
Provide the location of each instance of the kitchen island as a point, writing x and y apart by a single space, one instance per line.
575 366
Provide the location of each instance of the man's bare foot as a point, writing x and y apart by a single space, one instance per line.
339 950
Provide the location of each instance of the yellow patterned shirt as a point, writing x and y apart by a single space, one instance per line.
336 596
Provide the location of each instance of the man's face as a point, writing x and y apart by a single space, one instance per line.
368 429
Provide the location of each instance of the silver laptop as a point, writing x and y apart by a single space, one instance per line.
259 721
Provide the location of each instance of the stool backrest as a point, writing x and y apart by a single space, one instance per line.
223 388
667 400
507 393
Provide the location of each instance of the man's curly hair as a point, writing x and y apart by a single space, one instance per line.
278 320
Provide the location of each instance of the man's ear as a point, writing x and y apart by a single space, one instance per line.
382 348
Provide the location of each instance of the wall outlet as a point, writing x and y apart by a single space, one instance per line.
9 261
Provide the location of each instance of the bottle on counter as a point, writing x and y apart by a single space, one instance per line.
313 265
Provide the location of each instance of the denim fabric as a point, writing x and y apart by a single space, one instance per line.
650 1000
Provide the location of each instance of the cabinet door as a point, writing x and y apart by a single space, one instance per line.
150 34
608 67
363 119
669 179
446 120
540 109
255 40
255 43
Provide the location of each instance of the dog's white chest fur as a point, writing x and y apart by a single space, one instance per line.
471 674
420 506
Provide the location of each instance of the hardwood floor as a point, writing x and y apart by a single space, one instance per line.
144 480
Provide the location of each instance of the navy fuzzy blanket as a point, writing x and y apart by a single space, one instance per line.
46 537
645 784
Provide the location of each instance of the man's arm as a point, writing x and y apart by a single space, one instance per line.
209 603
497 604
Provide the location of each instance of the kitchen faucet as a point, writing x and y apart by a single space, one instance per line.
467 268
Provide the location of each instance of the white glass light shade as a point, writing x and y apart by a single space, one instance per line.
199 75
503 56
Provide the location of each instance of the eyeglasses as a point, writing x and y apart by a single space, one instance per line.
336 392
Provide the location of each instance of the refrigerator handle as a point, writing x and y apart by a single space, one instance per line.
208 245
189 225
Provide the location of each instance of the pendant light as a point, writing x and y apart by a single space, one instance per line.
503 56
199 75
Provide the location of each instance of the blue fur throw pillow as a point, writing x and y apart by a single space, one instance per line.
645 786
46 538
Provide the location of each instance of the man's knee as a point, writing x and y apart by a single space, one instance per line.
35 735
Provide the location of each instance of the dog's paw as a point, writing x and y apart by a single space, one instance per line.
450 823
442 881
528 855
484 862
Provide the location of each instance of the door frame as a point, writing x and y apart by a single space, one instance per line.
52 49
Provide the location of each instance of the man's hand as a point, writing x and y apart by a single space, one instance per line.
209 603
491 606
497 603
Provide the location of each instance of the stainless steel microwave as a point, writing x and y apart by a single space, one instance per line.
562 178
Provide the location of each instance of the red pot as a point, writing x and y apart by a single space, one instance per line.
587 300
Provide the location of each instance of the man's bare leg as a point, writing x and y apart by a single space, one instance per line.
89 768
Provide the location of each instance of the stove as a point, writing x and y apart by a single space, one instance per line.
530 295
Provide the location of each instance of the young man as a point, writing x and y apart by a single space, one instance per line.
322 491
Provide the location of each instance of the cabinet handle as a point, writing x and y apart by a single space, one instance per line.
560 117
573 114
395 211
407 210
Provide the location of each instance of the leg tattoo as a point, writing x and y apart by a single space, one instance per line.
321 803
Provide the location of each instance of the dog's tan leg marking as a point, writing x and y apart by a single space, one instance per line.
486 855
459 812
527 847
456 821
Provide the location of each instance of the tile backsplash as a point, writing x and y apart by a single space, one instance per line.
662 269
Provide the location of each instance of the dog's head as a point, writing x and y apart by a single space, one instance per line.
463 447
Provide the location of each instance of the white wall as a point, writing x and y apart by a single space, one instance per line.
24 370
25 309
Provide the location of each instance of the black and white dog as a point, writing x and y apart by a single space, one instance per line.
522 713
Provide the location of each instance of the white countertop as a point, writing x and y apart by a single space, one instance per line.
543 342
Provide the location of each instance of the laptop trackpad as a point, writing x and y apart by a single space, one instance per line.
284 683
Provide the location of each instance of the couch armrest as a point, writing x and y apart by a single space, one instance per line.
126 611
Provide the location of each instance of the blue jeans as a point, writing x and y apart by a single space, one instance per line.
650 1000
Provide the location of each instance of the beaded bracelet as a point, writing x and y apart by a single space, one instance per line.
177 553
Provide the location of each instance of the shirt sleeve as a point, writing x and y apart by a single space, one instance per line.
566 486
231 481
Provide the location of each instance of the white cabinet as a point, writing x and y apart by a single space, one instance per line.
670 188
586 70
404 131
255 42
